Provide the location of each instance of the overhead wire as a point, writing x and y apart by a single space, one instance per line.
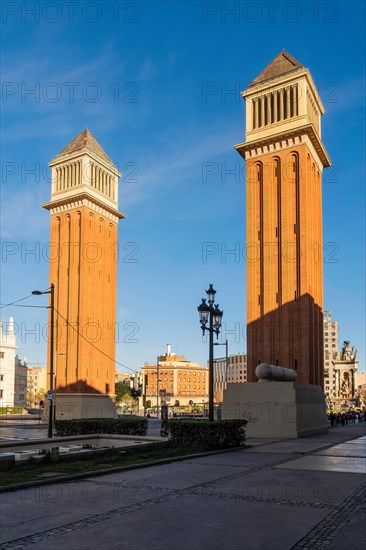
89 342
70 325
15 302
24 305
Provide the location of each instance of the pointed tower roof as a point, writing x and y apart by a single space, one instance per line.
84 140
282 64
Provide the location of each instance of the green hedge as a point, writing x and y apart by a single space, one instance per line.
11 410
83 426
221 434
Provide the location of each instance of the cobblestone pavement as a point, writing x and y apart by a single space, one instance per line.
246 499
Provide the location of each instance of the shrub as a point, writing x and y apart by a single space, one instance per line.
11 410
83 426
221 434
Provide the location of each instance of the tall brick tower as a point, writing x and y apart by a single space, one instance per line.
284 158
83 263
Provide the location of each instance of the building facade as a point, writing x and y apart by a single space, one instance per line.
7 364
361 389
331 346
37 384
122 377
174 381
341 379
234 371
20 384
345 364
284 158
13 373
84 216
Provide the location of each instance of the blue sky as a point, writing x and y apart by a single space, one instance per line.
152 82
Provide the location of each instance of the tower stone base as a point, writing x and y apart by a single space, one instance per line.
81 405
277 409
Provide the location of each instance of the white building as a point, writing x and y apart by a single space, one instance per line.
13 373
7 364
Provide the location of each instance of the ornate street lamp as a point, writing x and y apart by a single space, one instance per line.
210 318
51 291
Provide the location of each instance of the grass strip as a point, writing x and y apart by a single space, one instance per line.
46 472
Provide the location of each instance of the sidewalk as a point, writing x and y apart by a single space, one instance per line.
303 493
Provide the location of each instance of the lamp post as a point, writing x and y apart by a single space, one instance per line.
226 344
51 292
211 314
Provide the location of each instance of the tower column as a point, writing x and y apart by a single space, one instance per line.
288 101
281 104
84 226
254 110
285 283
262 110
268 108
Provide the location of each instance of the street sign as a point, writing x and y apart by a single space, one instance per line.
49 395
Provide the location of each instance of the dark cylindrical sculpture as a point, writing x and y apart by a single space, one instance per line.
267 372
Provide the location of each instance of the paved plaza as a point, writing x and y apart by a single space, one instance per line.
304 493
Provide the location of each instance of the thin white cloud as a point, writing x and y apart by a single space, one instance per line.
175 163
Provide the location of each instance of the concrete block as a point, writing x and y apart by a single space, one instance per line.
277 409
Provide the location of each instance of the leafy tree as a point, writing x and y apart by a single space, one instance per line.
135 394
30 398
33 399
123 392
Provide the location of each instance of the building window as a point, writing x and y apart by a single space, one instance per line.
2 354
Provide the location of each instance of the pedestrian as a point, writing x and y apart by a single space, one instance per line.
331 418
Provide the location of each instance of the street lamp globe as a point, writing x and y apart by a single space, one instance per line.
203 312
217 319
211 295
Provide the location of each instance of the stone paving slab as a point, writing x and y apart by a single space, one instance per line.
176 475
29 511
241 459
352 536
308 489
343 449
188 523
327 463
291 446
